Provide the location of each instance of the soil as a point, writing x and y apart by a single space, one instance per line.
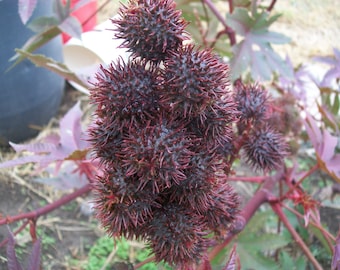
314 29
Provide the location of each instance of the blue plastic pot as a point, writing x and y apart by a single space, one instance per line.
29 96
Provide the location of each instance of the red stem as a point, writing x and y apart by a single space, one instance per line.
48 208
328 236
307 174
23 226
261 196
231 6
255 179
278 210
230 32
271 6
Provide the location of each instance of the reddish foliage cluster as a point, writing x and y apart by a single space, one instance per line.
164 135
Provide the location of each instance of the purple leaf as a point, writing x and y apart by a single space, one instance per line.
231 264
329 143
35 256
71 26
56 148
70 128
336 254
333 73
325 145
12 260
26 8
21 161
37 148
333 165
65 179
314 132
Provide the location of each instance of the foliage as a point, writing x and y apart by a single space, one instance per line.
171 128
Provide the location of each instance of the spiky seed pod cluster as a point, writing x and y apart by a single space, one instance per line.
162 123
150 28
264 148
251 102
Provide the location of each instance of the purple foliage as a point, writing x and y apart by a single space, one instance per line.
34 259
332 76
231 264
325 147
12 260
56 147
336 254
26 8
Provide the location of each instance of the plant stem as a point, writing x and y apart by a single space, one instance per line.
307 174
261 196
230 32
278 210
151 259
255 179
271 6
48 208
23 226
328 236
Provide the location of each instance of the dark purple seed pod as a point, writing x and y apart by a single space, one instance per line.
195 191
150 28
252 102
223 208
126 91
122 208
157 152
106 139
214 125
177 236
194 80
265 149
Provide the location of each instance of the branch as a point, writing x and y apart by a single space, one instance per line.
48 208
271 6
254 179
278 210
261 196
230 32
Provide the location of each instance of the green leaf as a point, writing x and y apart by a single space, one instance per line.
264 242
254 51
34 43
287 262
251 260
42 23
318 234
254 242
50 64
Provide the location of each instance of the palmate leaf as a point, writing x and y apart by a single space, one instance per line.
333 74
254 51
253 243
69 144
325 145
